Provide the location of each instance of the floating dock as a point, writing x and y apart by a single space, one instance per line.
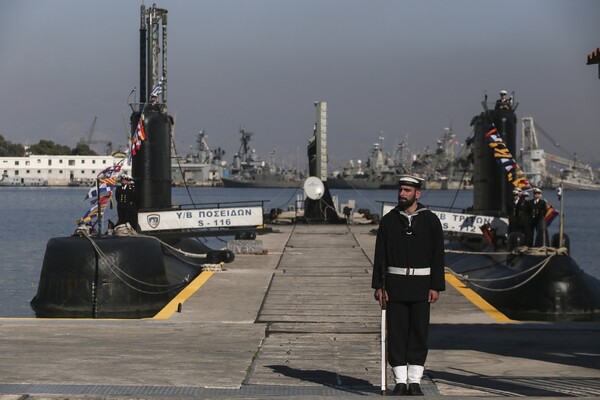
297 322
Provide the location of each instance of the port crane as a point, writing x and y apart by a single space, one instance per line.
538 165
88 138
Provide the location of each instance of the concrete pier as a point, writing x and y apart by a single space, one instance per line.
298 322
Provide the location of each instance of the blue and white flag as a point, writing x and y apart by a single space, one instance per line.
158 88
559 192
105 191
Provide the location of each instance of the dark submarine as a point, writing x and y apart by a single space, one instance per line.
129 276
542 283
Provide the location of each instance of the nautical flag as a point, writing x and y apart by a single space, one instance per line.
551 214
102 193
139 130
112 181
133 147
505 159
105 189
105 193
91 214
105 201
93 192
158 88
107 178
136 144
138 136
559 193
114 169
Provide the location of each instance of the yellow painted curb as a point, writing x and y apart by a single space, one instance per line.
476 299
189 290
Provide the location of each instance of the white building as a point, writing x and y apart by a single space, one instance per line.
59 170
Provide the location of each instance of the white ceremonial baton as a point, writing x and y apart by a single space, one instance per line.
383 344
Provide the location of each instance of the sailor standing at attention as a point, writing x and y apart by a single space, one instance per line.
537 209
408 270
127 202
518 217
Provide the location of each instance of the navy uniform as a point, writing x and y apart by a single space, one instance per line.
127 202
537 210
409 256
504 102
518 217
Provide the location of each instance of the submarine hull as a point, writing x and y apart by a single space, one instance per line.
529 287
110 277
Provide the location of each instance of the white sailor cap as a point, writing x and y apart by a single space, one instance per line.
503 92
409 180
537 190
517 191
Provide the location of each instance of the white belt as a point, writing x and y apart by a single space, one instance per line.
409 271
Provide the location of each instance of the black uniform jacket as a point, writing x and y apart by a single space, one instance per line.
537 210
126 196
422 248
518 216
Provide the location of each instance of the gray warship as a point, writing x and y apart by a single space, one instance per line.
250 170
442 167
202 166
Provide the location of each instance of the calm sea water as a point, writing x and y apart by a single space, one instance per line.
29 217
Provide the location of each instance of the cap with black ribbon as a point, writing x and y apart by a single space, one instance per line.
410 180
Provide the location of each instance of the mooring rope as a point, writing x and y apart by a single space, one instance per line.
126 230
174 250
523 250
500 253
114 268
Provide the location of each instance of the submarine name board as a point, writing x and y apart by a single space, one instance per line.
462 223
200 218
469 223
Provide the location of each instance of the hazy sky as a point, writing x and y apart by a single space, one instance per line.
407 68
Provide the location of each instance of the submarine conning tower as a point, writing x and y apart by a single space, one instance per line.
491 187
151 166
320 210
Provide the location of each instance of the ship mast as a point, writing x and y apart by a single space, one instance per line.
321 141
153 52
151 166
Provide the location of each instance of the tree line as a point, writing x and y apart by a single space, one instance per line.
43 147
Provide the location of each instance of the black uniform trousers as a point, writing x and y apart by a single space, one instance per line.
128 214
408 325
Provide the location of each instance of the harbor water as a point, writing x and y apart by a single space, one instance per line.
29 217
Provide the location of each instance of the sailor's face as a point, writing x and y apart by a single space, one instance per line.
407 196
